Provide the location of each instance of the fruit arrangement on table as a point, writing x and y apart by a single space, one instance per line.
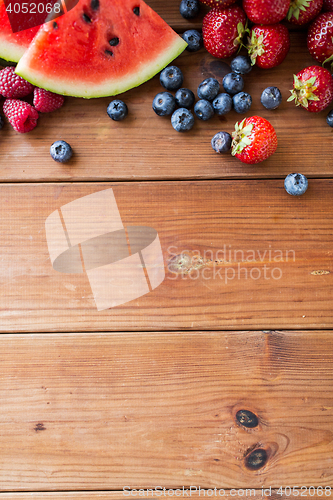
104 60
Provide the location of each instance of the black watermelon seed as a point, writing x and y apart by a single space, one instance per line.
55 26
108 52
86 18
247 418
94 4
114 41
136 11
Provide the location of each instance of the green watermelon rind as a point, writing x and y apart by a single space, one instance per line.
10 51
108 88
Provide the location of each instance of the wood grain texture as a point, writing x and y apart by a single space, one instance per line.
145 146
107 411
169 11
273 253
119 495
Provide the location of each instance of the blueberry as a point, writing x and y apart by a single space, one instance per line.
164 104
117 110
61 151
222 104
271 98
233 83
189 8
208 89
182 120
194 40
203 110
184 98
242 102
296 184
221 142
329 118
241 65
171 78
1 122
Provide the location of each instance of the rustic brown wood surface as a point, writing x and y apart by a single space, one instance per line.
106 411
119 495
84 412
264 258
169 11
145 146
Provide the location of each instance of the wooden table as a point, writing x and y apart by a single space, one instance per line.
148 393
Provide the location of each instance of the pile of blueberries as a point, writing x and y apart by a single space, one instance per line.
211 100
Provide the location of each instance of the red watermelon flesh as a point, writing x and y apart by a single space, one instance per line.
100 48
13 45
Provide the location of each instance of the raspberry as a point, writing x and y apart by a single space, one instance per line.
46 101
12 85
21 115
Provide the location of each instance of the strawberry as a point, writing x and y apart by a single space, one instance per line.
313 88
266 11
21 115
222 4
328 5
254 140
268 45
46 101
303 11
13 86
320 37
222 30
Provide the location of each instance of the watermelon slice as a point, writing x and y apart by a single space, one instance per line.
13 45
100 48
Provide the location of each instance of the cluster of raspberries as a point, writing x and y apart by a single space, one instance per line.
20 114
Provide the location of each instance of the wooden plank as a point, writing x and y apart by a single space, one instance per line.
169 11
145 146
106 411
117 495
265 258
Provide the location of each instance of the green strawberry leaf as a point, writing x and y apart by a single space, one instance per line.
311 81
313 97
329 59
241 30
255 46
240 137
296 6
304 91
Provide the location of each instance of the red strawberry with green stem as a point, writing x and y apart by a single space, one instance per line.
254 140
303 11
223 30
313 89
320 38
266 11
268 45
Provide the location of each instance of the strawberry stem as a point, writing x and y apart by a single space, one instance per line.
295 7
329 59
241 29
255 46
240 137
303 92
